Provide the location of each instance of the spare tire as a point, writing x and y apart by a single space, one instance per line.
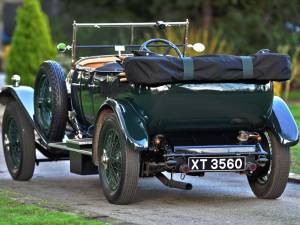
51 101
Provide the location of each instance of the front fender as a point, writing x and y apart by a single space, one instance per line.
283 124
23 95
132 124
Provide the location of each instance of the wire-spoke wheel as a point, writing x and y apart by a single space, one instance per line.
118 163
44 103
51 105
18 143
51 101
270 181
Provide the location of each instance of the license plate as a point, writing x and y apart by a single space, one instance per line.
224 163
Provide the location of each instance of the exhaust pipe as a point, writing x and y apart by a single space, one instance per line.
173 183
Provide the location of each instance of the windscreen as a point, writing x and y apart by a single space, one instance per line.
93 41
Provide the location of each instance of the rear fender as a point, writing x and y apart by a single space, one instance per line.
132 124
283 124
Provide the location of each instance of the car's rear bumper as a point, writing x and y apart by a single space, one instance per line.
178 160
254 156
211 150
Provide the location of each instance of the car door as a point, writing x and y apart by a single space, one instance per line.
86 95
101 90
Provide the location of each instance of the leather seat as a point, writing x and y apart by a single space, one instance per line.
96 62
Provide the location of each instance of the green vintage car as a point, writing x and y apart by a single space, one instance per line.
140 110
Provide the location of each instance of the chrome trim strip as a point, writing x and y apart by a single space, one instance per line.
64 147
216 149
151 24
77 84
85 141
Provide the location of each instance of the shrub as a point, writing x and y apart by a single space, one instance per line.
31 43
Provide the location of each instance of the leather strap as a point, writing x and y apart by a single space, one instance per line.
247 67
188 68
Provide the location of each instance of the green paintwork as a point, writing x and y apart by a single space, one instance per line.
86 97
186 107
145 111
195 106
283 124
132 123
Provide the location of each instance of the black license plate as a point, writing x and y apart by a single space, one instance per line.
224 163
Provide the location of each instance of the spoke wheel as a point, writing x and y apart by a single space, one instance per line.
118 163
18 143
12 144
44 103
51 105
112 159
270 181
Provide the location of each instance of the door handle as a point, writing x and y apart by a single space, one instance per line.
92 86
77 84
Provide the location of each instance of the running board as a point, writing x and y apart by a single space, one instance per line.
80 155
81 146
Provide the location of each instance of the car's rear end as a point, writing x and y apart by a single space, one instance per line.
204 125
205 107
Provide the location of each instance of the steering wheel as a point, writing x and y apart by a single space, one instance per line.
145 46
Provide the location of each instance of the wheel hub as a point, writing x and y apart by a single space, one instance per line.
12 143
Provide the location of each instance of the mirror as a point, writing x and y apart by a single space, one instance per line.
62 47
198 47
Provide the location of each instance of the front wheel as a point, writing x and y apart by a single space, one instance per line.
18 143
119 163
269 182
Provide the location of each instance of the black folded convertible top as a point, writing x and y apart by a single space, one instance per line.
154 70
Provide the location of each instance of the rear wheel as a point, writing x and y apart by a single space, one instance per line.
118 163
269 182
18 143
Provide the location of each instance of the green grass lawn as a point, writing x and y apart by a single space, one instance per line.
295 108
294 96
15 213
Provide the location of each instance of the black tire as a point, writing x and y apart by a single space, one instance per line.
270 183
51 76
18 143
126 178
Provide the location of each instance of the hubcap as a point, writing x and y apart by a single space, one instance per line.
12 144
111 159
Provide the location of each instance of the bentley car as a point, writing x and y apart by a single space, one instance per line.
141 106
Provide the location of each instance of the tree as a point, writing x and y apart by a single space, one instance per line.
31 43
